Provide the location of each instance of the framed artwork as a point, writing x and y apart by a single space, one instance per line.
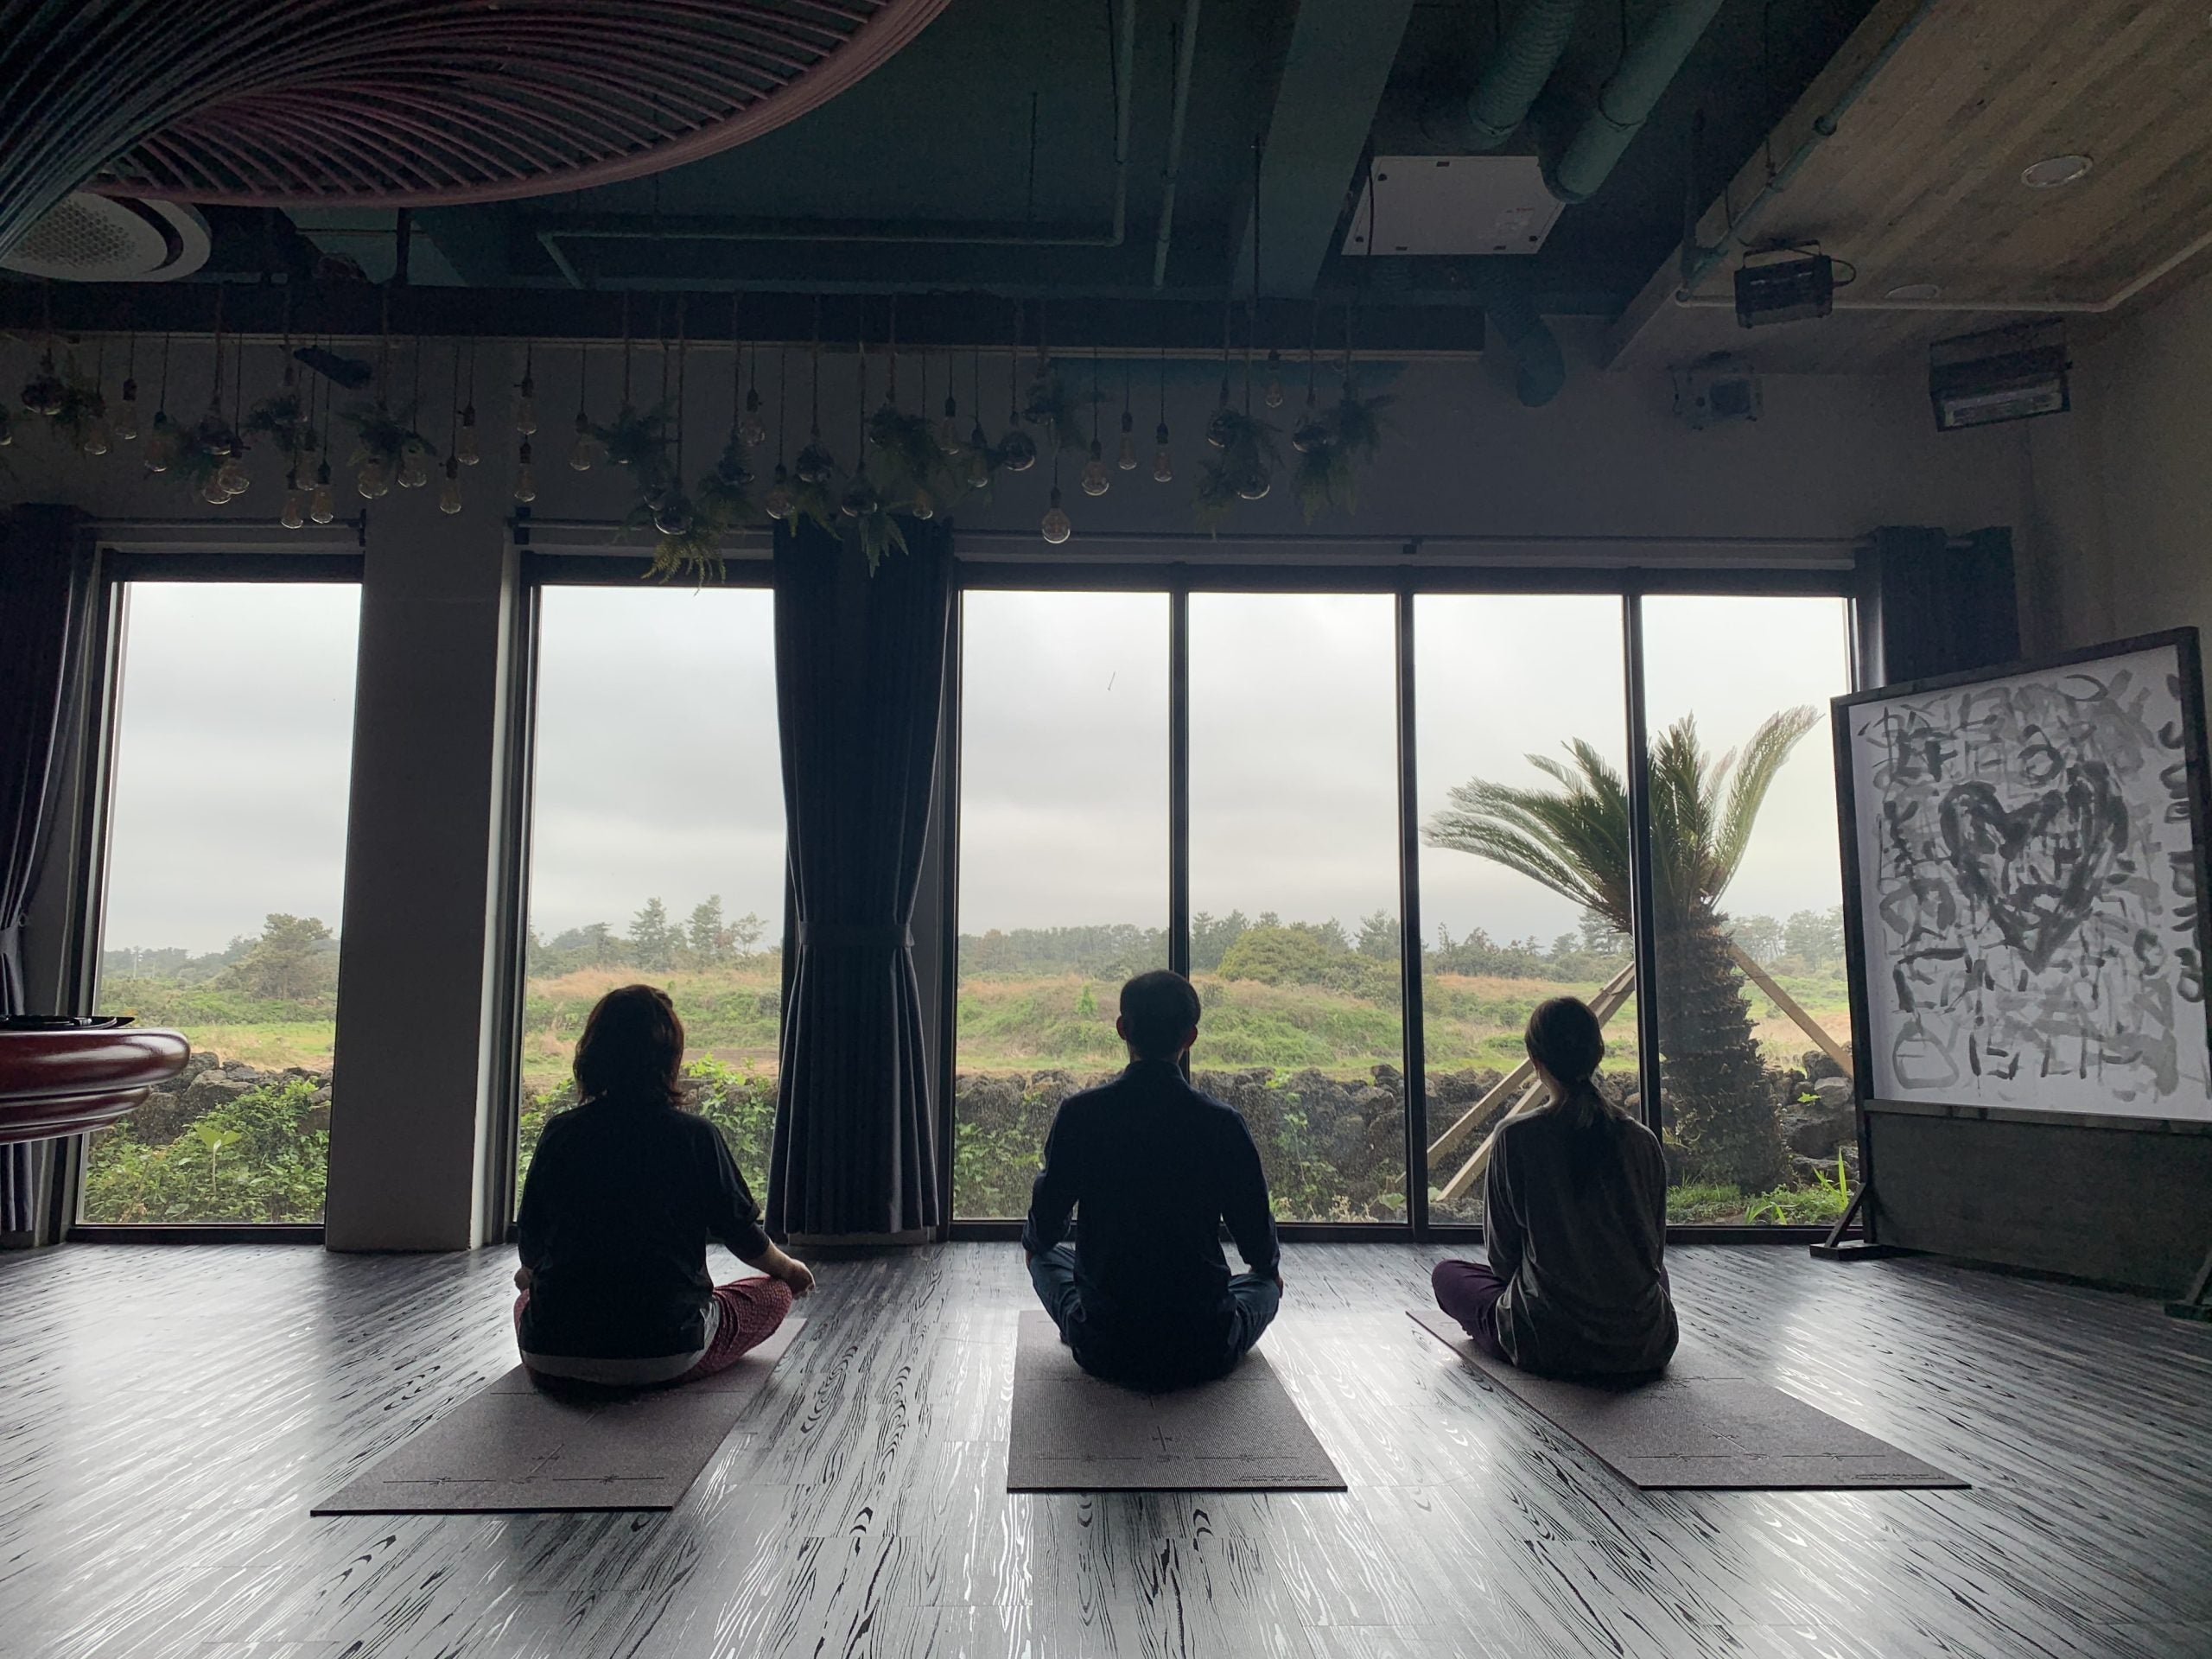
2024 882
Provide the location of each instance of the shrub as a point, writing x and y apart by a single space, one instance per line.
260 1158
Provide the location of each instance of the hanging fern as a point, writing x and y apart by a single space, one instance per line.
1355 425
1326 477
202 447
878 534
82 403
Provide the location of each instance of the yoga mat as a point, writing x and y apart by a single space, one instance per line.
1072 1433
1701 1425
511 1446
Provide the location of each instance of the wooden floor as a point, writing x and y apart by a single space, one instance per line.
167 1415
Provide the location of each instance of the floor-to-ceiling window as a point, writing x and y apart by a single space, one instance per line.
1521 757
656 840
232 747
1064 863
1294 850
1754 1015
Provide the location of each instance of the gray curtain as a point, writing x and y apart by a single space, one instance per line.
1931 604
45 586
860 675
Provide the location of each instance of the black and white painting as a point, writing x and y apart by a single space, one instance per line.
2027 882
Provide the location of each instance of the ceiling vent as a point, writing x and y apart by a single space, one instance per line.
1453 205
89 238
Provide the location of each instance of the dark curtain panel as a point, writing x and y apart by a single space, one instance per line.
43 589
1931 604
859 674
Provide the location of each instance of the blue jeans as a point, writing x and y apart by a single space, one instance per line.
1247 1306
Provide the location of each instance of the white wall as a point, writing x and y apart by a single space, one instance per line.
2121 487
1833 458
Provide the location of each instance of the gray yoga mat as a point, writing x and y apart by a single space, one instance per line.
511 1446
1702 1426
1072 1433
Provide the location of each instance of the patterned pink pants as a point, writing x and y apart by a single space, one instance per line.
751 1311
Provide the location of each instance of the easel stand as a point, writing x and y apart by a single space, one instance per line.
2195 1306
1836 1248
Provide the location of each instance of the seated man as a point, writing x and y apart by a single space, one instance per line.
1155 1168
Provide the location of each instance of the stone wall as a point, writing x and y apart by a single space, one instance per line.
207 1081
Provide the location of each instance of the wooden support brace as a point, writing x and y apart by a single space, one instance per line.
1604 1005
2194 1306
1788 1004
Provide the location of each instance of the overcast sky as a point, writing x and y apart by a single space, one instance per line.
657 775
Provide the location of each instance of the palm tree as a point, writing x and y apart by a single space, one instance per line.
1574 839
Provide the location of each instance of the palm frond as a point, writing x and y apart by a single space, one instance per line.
1764 756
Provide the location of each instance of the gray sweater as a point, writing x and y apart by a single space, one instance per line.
1585 1293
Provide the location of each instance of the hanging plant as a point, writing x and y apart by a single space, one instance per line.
283 417
382 435
203 449
911 456
721 507
1053 407
80 412
1356 424
638 440
1244 469
1332 447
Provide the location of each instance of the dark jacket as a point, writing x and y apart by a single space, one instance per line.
621 1198
1575 1222
1155 1168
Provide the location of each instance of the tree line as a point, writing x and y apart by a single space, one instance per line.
654 941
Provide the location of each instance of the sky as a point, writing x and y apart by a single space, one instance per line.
658 773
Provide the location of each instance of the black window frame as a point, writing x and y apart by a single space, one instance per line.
1407 578
117 568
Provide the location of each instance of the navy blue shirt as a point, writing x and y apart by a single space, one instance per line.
621 1198
1155 1168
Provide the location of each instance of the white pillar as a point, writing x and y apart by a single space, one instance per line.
410 1109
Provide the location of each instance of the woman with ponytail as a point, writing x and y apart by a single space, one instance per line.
1574 1217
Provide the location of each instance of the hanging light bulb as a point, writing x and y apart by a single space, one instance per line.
1095 481
161 447
922 506
1127 460
213 492
979 459
126 414
581 456
1017 450
1275 379
526 475
777 504
292 517
414 464
7 430
674 517
526 403
1163 464
449 497
322 508
464 443
374 479
751 431
233 474
1056 527
96 431
948 432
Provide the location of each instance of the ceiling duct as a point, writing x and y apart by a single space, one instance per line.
1516 72
89 238
1625 102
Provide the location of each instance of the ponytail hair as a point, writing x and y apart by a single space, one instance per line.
1565 1038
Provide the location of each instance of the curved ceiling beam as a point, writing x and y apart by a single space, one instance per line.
322 102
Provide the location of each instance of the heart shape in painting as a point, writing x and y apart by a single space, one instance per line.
2039 868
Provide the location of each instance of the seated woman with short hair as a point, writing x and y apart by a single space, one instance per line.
1574 1217
623 1194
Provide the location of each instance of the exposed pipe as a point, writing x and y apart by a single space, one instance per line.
1186 48
1625 102
1507 307
1698 262
1516 72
